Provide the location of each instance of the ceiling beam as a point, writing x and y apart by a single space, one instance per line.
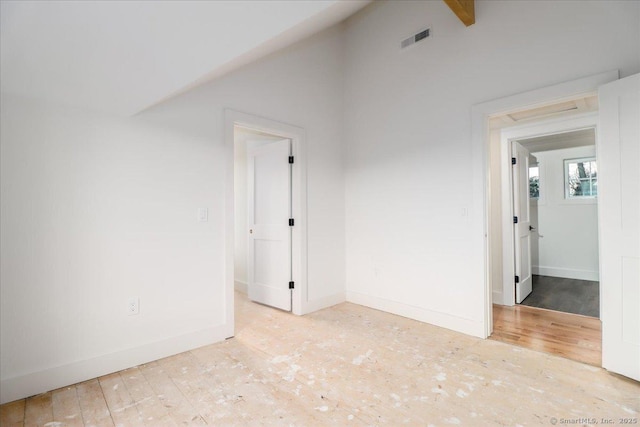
464 9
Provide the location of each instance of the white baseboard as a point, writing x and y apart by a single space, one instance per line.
319 304
60 376
455 323
241 286
568 273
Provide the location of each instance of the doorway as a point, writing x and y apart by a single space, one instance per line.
263 230
547 181
534 158
236 239
618 146
561 193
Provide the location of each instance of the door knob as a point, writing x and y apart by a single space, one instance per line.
531 228
250 231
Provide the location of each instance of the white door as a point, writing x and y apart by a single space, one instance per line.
269 209
619 212
522 221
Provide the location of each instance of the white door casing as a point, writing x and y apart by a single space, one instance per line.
481 201
522 221
232 119
618 147
269 210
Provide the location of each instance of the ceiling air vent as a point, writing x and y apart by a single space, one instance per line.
415 38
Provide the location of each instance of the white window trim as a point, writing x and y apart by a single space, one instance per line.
572 199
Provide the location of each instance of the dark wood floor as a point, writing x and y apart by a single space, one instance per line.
566 295
568 335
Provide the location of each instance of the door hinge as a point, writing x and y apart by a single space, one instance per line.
291 159
515 219
517 279
290 285
291 222
513 160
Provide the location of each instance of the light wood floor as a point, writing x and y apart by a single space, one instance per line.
568 335
346 365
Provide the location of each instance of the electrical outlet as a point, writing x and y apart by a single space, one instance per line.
133 306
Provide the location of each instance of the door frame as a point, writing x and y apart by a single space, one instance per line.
481 195
296 134
514 133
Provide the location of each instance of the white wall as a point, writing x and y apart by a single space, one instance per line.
569 246
96 209
241 138
410 246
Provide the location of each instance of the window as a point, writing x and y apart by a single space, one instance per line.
534 182
581 178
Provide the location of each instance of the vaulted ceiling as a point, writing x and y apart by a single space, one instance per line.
122 57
